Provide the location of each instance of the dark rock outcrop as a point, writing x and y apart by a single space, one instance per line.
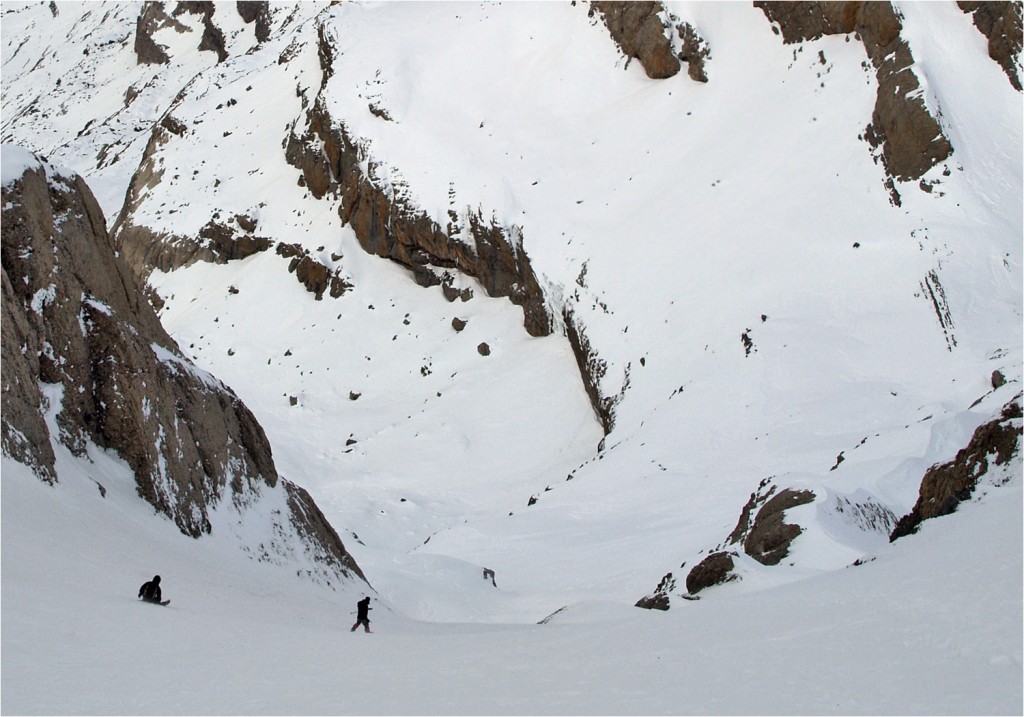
313 275
659 599
212 38
910 140
694 52
23 431
145 250
765 490
153 17
947 485
1001 23
770 537
387 223
640 33
257 11
76 322
592 369
760 531
224 243
715 569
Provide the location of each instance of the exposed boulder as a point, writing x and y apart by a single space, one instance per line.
715 569
910 140
224 243
947 485
76 322
1001 23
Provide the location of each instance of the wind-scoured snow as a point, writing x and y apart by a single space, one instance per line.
731 251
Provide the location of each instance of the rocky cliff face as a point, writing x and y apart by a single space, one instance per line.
154 17
1001 23
388 224
645 31
639 31
908 137
74 318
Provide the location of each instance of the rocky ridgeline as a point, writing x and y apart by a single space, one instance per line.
763 534
74 317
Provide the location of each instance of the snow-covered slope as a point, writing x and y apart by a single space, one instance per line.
931 627
764 315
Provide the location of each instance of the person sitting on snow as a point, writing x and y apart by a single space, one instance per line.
150 592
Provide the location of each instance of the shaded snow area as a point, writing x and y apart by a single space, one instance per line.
767 317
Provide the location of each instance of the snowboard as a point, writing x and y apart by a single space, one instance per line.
163 602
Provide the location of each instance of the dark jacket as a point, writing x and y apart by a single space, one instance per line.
151 591
364 608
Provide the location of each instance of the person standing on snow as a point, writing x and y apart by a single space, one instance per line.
363 614
150 592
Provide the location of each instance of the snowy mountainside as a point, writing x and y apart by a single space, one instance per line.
754 304
96 391
670 324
